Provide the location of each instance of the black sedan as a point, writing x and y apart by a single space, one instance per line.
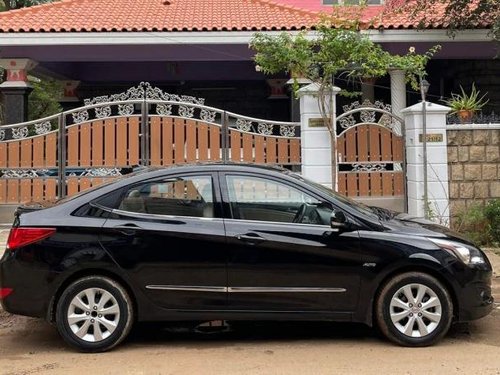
235 242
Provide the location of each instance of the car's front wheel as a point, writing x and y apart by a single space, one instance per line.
94 314
414 309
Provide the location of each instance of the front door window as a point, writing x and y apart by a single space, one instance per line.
255 198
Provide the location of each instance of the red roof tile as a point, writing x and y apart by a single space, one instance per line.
191 15
157 15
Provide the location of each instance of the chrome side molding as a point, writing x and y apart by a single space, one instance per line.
244 289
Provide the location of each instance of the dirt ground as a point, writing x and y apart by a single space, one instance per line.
31 346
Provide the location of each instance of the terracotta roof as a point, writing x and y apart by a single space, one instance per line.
194 15
157 15
398 18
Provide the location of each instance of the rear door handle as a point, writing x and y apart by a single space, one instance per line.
251 239
128 229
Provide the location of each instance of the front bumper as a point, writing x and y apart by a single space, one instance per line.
474 292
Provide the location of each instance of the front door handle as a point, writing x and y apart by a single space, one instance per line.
251 239
128 229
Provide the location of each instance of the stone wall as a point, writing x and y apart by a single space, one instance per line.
474 165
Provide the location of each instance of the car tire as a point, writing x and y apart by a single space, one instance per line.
98 325
414 309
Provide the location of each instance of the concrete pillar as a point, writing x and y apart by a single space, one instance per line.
316 139
398 91
437 161
294 101
70 99
16 89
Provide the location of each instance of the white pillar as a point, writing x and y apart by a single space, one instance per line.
437 161
316 140
398 91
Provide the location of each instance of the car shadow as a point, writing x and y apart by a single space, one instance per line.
250 332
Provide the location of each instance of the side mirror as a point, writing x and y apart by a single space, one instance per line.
338 221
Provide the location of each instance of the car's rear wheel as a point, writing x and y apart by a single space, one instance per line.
94 314
414 309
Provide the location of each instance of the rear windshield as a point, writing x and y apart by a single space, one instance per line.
104 184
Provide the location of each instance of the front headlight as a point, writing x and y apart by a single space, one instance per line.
467 254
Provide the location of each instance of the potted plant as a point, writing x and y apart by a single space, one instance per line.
465 105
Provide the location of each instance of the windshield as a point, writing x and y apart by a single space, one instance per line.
360 207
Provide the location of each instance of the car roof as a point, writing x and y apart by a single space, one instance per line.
212 166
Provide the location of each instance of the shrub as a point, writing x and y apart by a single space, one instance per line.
492 214
481 223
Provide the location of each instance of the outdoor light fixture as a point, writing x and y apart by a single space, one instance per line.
424 89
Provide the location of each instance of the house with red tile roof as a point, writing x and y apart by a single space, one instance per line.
200 48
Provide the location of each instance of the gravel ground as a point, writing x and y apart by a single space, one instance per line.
32 346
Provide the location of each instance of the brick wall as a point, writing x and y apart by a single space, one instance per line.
474 165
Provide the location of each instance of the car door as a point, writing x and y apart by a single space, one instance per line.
169 236
284 256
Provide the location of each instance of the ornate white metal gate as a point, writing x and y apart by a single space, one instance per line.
69 152
371 155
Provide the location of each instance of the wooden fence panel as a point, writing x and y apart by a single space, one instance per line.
248 148
167 125
51 150
191 141
271 150
375 154
97 143
202 141
133 140
215 146
38 151
85 145
13 152
376 184
179 139
3 191
235 145
3 155
109 143
26 155
283 151
122 135
260 154
115 142
155 141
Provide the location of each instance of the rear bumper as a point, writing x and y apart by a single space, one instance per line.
30 288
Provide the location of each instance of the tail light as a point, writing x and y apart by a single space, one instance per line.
4 292
20 236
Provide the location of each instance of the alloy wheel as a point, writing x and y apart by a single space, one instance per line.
93 314
415 310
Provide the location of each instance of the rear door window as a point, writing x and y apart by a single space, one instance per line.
180 196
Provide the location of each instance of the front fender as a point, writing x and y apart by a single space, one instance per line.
420 262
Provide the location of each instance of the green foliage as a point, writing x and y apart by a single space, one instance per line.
467 102
17 4
331 51
43 101
492 214
481 223
458 14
